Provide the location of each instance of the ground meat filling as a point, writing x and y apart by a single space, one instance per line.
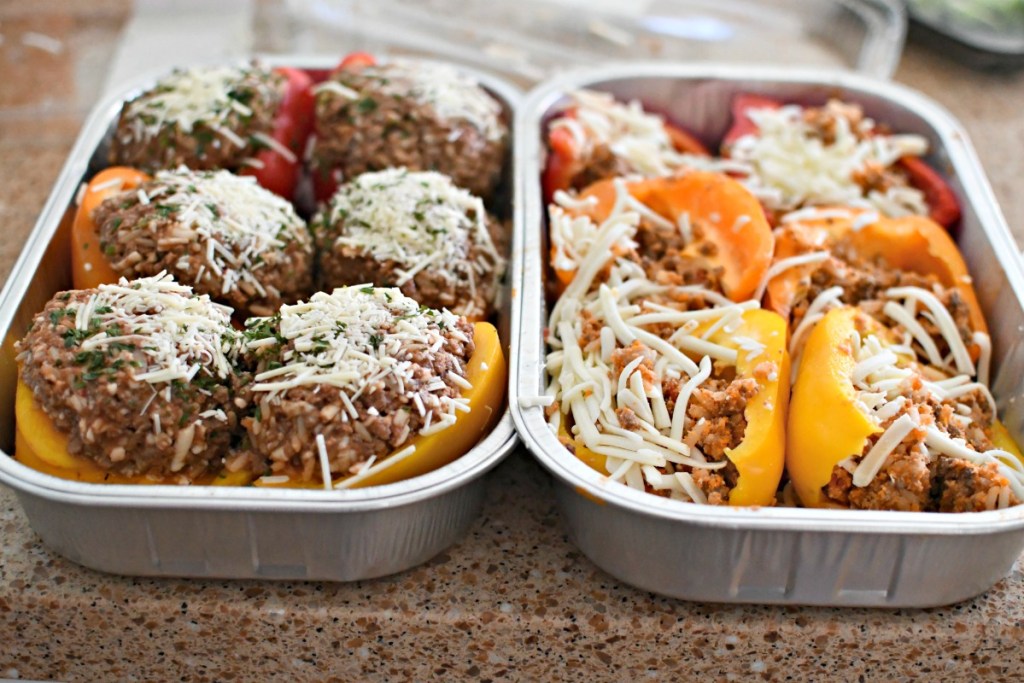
138 377
864 283
416 231
670 259
204 118
916 478
221 233
424 118
717 422
601 164
365 368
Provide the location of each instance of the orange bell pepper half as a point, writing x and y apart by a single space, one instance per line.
89 266
730 217
912 243
488 374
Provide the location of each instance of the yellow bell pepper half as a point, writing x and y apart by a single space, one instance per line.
42 446
759 458
825 424
39 444
488 374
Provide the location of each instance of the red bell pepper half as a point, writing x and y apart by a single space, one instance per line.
292 125
943 206
563 162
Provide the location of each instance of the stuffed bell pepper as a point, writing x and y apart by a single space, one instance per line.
872 427
248 119
905 272
220 233
698 228
595 137
405 113
808 156
665 375
132 383
363 386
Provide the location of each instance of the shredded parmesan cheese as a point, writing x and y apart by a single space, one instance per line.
416 220
178 333
355 339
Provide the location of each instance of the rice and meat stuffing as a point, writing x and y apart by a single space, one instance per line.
140 376
416 231
421 116
363 368
204 118
221 233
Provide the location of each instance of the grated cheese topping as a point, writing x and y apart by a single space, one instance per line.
584 381
452 94
418 220
358 339
881 378
180 334
633 135
791 165
212 96
574 236
233 219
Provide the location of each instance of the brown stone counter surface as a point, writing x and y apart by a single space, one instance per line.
513 599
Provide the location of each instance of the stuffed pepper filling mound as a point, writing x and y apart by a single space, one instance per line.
933 449
805 156
695 228
205 118
138 375
655 382
596 137
860 260
405 113
416 231
670 252
349 377
223 234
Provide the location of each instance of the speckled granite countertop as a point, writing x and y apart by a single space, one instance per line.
513 599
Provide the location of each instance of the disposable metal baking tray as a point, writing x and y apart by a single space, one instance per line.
773 554
225 532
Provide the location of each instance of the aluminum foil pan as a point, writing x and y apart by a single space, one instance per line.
774 555
225 532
